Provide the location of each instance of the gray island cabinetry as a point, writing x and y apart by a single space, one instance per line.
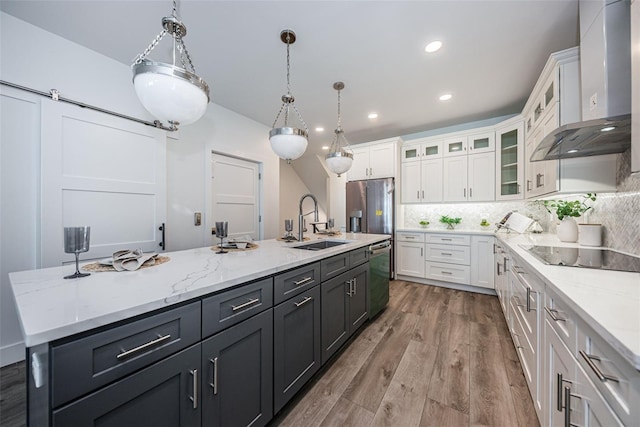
234 355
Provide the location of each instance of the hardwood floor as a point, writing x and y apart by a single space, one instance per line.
434 357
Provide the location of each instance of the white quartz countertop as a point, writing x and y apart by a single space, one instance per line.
490 231
609 301
50 307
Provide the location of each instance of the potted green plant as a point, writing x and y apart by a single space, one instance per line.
484 223
423 223
451 222
566 211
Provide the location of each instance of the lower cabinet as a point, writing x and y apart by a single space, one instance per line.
296 344
163 394
482 261
237 374
344 308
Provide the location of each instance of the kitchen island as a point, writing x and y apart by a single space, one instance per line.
180 340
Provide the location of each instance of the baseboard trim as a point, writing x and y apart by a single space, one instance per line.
11 353
460 287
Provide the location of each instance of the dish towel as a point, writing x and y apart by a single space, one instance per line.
132 260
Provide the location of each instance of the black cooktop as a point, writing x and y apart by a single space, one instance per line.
598 258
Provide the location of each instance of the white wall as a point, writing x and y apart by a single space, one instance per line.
40 60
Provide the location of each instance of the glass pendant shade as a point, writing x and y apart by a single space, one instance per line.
169 93
288 143
340 158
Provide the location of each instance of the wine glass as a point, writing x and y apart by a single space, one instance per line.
288 227
222 228
76 241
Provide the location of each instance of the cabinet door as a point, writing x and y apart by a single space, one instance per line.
237 368
335 314
411 182
359 298
482 177
382 161
560 373
164 394
410 153
482 142
482 262
456 146
410 259
360 166
296 344
431 180
455 179
509 160
549 172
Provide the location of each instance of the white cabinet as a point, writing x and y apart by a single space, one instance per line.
510 160
448 258
555 101
410 254
482 142
469 178
421 172
482 261
373 160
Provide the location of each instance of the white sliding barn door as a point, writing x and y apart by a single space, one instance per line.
105 172
235 195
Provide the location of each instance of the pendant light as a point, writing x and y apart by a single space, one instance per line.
288 142
340 157
170 93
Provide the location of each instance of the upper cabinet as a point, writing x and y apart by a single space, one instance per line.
421 171
509 159
373 160
554 102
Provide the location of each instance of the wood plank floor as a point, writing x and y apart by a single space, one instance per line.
434 357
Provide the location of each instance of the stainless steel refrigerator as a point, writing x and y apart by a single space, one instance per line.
371 209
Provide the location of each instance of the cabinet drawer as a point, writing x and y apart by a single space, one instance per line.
526 349
107 356
358 256
448 253
230 307
448 272
410 237
603 365
293 282
562 319
449 239
331 267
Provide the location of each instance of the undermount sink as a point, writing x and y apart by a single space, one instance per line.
319 245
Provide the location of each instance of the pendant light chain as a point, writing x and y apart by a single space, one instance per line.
288 99
339 121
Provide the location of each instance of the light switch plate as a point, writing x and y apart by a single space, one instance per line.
197 219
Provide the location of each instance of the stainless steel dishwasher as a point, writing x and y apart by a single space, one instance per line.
379 271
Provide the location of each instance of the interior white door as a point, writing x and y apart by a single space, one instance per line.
236 195
105 172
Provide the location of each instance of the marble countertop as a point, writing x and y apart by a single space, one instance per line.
50 307
608 301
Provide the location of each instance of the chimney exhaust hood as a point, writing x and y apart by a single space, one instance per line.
605 81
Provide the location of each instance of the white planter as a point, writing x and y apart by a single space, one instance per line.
590 234
567 230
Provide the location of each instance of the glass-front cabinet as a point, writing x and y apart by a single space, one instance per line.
421 149
510 160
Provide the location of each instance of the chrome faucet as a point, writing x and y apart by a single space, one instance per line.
301 215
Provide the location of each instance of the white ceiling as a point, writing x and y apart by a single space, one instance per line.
493 52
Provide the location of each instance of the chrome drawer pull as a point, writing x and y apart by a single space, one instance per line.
446 240
246 304
157 341
559 390
409 237
303 281
303 302
214 383
194 397
446 272
552 313
446 253
589 358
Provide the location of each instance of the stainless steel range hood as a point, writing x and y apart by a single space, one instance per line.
582 139
605 80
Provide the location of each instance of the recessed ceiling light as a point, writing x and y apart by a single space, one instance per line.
433 46
607 129
319 129
446 97
325 147
373 115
